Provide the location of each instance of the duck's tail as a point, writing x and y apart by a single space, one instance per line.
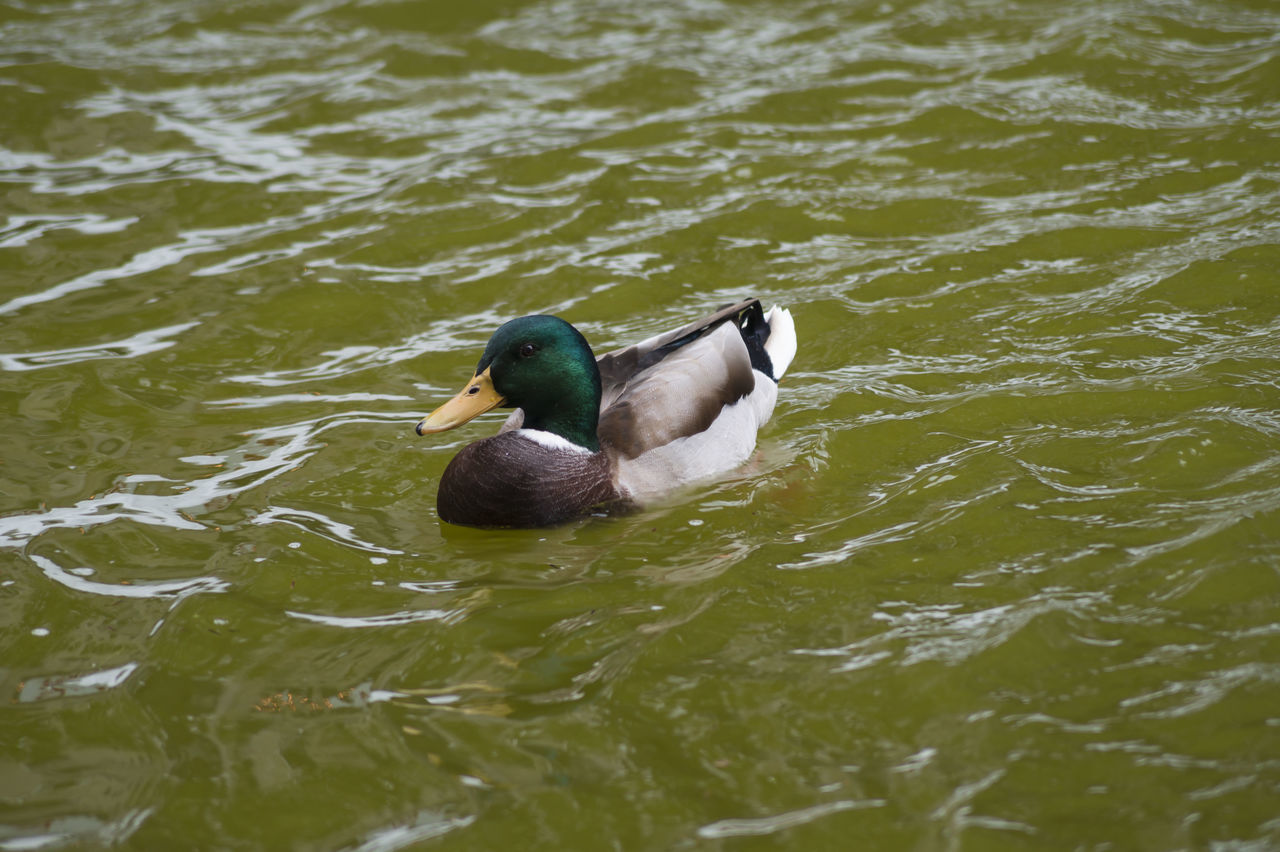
781 344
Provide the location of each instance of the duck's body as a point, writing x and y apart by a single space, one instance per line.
622 429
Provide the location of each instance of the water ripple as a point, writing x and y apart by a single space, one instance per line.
269 453
142 343
783 821
176 590
1005 557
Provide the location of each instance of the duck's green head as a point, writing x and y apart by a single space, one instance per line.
540 364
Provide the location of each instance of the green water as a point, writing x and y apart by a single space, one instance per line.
1004 573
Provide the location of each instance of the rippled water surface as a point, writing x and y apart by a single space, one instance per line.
1004 573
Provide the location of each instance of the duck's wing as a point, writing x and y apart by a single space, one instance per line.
675 385
621 365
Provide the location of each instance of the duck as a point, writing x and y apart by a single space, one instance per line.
594 434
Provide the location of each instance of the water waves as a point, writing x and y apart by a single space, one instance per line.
268 453
1002 572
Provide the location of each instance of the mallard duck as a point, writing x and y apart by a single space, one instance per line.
593 433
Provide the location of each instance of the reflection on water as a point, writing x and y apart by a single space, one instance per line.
1001 573
176 589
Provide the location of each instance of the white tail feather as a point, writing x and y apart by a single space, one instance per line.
781 344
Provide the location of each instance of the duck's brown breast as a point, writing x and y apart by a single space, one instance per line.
511 480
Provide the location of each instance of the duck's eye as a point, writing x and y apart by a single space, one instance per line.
527 350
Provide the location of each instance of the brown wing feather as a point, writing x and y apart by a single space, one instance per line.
621 365
681 394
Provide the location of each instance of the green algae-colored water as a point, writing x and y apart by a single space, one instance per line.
1003 575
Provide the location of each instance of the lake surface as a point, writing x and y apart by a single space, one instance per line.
1003 575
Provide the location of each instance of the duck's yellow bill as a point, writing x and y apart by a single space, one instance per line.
477 397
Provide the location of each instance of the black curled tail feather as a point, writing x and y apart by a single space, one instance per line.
755 331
